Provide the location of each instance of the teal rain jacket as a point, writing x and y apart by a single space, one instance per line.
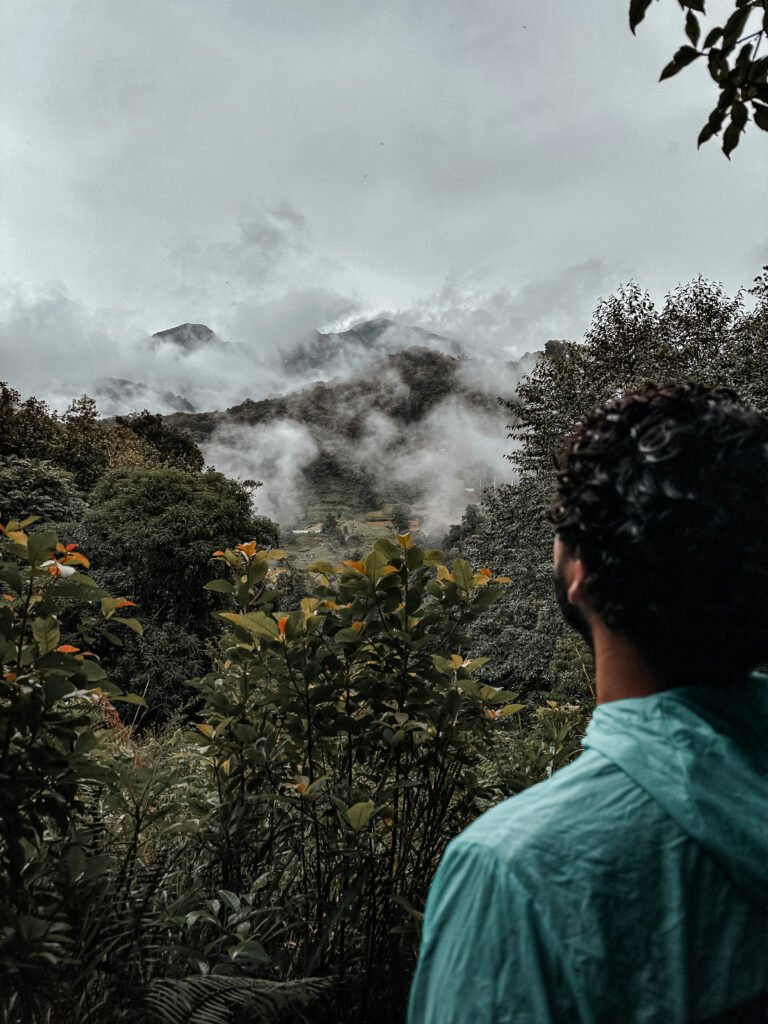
631 886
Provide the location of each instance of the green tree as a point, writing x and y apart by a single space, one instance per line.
401 516
730 50
351 727
39 488
159 666
82 443
699 333
171 447
153 531
28 429
48 694
528 646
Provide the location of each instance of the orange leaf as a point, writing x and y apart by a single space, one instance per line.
248 549
485 572
10 677
68 649
358 626
125 603
70 547
360 566
78 558
282 623
217 554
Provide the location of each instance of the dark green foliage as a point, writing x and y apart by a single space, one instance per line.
401 516
698 334
174 448
457 532
360 707
159 665
82 445
405 386
531 649
214 999
27 429
161 526
38 488
730 50
47 765
290 585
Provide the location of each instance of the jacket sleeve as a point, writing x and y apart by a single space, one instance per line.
486 956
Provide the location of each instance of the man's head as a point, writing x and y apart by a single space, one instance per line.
661 516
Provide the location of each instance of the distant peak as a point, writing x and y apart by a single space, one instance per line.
187 336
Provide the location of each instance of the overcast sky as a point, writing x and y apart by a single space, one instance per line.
267 167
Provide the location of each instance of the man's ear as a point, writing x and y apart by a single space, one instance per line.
576 579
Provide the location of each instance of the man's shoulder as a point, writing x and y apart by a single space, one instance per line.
590 803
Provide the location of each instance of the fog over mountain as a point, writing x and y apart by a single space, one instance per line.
379 411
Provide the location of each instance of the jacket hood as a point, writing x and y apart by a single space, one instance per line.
702 754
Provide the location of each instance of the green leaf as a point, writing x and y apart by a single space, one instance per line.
462 574
734 27
251 950
45 630
41 546
91 671
347 636
28 521
219 587
510 709
83 588
130 698
712 37
705 134
442 664
10 575
684 56
133 624
637 9
260 624
57 686
323 567
476 663
414 558
374 564
692 27
731 137
485 597
760 114
230 899
391 551
359 814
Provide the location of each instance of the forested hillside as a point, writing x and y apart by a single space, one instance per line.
226 780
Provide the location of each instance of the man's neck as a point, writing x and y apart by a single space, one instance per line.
620 672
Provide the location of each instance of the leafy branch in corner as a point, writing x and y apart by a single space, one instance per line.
732 54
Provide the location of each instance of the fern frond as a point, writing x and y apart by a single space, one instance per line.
214 998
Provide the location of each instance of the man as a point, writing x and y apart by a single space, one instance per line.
632 885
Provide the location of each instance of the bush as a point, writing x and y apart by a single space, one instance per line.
31 487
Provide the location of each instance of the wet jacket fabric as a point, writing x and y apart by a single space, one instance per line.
631 886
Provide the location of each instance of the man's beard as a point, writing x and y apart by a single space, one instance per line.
570 612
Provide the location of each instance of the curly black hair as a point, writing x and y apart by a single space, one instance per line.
663 492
